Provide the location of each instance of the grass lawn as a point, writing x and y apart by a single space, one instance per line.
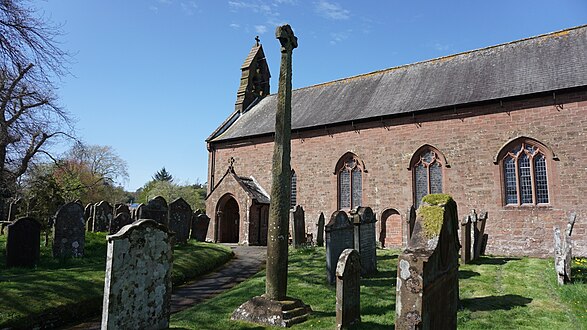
496 293
71 289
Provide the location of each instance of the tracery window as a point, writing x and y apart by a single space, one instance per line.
294 189
525 177
350 182
427 173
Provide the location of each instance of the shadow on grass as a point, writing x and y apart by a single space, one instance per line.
490 303
483 260
578 274
465 274
371 326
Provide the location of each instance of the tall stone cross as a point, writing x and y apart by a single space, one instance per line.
277 241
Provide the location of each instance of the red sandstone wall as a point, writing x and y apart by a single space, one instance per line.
470 138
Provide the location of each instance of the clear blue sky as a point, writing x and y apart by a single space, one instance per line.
153 78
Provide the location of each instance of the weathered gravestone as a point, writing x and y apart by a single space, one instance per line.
69 231
365 242
103 214
320 230
121 208
411 219
348 289
200 223
480 238
23 243
137 288
180 220
157 210
563 253
339 237
135 212
120 220
427 290
298 226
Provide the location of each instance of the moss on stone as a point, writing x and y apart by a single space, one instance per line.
432 219
437 199
432 213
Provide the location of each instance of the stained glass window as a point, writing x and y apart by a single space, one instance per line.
524 175
427 175
294 189
350 183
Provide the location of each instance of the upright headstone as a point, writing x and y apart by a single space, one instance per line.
410 221
121 208
157 210
137 212
563 253
298 222
200 223
120 220
320 230
364 220
339 237
180 220
23 243
466 240
427 290
348 289
88 211
479 233
103 214
69 231
137 288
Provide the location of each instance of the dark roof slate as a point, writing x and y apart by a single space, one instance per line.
255 190
549 62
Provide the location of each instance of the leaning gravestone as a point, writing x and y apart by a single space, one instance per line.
120 220
348 289
102 216
298 227
23 243
180 216
320 230
69 231
137 289
200 225
339 237
156 209
427 291
365 241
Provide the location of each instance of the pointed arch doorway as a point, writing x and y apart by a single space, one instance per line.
227 220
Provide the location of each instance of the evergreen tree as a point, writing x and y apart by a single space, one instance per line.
163 175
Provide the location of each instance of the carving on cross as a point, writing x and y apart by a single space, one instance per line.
286 37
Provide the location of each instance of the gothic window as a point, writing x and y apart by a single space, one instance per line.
294 189
427 173
525 179
350 182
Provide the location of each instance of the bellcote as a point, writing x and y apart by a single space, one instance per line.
254 79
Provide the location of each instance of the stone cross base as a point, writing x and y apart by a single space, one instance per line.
280 313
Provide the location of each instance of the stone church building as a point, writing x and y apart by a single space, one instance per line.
502 129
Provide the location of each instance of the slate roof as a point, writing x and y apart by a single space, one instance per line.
544 63
255 190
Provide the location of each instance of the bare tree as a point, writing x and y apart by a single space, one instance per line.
101 161
29 114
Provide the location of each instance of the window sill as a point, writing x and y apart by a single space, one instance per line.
527 206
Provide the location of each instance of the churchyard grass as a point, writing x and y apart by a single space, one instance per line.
70 289
496 293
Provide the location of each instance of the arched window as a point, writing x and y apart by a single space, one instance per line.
525 179
426 167
350 170
294 189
